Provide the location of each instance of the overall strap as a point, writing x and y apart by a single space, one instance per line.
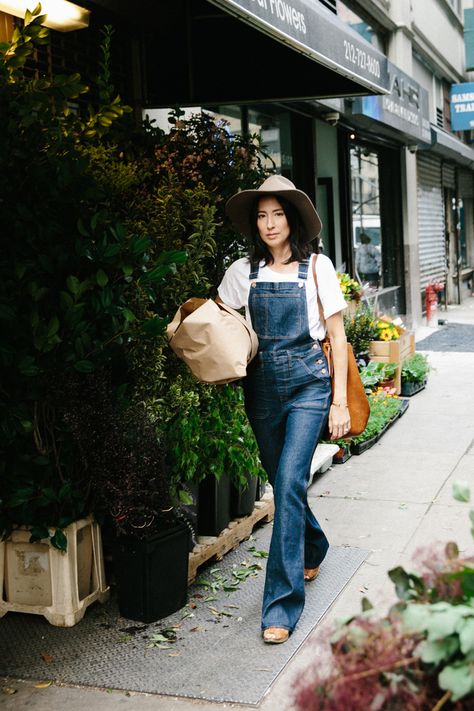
254 268
303 268
320 306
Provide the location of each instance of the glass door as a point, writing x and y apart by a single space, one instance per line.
366 219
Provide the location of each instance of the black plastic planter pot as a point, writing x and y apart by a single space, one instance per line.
260 489
361 447
242 501
404 405
214 505
342 455
152 574
409 389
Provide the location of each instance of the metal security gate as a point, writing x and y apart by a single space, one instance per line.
448 175
431 230
465 184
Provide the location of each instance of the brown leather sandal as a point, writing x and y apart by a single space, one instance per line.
310 574
275 635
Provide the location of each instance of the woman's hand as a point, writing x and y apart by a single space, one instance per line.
339 421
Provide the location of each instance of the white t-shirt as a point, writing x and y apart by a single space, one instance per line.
235 286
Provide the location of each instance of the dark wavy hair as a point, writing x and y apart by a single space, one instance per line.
300 248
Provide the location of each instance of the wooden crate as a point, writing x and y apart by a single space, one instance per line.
238 530
393 352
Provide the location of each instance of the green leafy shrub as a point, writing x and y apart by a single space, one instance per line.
415 368
210 434
187 176
77 287
89 278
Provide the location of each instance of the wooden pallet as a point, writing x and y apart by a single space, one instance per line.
238 530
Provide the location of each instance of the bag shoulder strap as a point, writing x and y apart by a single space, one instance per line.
320 306
252 335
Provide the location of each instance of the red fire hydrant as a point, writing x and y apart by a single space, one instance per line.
431 299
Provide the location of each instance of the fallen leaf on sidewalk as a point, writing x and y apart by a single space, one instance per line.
8 690
43 685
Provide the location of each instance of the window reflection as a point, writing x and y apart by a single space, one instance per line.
366 227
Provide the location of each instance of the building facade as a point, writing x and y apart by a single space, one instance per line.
352 101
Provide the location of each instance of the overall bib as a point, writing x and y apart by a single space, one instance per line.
287 398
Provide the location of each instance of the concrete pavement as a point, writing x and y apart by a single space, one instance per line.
393 500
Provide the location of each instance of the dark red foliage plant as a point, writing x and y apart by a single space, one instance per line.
372 668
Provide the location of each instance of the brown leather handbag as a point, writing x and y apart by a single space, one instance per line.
357 402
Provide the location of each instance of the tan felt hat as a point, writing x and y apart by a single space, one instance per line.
238 207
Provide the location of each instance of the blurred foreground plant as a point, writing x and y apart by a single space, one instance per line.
419 657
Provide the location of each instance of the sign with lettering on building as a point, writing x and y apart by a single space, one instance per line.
462 106
313 30
405 108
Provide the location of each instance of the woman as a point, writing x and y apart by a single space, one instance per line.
287 388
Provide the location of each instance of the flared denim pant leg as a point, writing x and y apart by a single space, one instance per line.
287 433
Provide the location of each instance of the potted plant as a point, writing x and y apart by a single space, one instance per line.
360 330
212 444
118 447
385 408
375 374
352 291
414 373
392 344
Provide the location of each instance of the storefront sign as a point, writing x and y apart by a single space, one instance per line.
313 30
462 106
405 108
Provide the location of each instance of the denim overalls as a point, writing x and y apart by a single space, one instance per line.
287 398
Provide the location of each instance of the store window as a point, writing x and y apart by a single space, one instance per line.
366 218
273 127
229 113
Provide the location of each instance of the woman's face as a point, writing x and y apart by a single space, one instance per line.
272 224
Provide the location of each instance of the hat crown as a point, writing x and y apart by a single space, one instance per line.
275 183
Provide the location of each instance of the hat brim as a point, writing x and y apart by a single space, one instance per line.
238 209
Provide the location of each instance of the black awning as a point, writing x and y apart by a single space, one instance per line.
202 52
451 148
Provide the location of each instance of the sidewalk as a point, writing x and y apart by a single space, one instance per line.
392 500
